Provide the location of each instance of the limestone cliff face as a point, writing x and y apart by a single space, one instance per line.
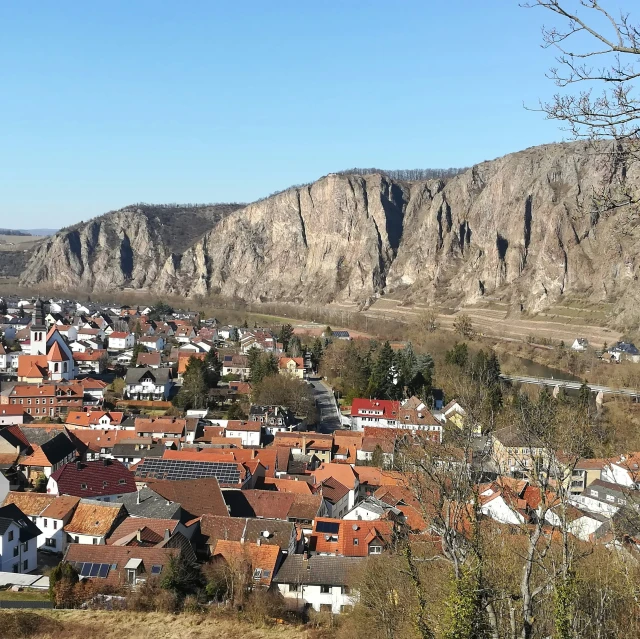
519 229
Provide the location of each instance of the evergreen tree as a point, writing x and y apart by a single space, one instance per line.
584 395
213 368
382 374
317 351
3 307
458 355
270 365
194 391
254 357
295 347
285 335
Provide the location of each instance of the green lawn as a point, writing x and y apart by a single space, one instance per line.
25 595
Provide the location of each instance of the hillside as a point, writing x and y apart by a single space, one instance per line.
517 230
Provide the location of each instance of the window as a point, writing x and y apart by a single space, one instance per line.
156 570
611 498
83 486
11 535
25 564
50 543
325 607
55 524
294 587
16 550
16 567
44 523
25 546
257 573
346 608
95 541
593 493
356 542
345 590
622 501
325 590
375 550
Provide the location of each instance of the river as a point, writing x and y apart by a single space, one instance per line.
514 365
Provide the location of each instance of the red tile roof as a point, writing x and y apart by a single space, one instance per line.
388 408
261 557
353 537
94 479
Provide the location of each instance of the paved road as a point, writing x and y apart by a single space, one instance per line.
329 417
541 381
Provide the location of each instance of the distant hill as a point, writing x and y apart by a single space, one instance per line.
27 232
13 232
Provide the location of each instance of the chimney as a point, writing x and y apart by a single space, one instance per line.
78 465
138 497
258 541
167 534
304 444
305 556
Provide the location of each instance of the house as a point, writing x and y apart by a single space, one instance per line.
228 473
343 335
49 457
583 524
239 529
133 450
160 427
350 538
603 497
121 341
146 503
105 480
117 566
514 453
502 504
146 531
50 513
197 497
307 443
47 400
103 420
336 497
259 560
148 383
322 582
373 445
250 433
91 361
18 536
154 343
275 419
344 474
584 472
12 415
293 366
624 351
93 521
374 412
237 365
184 333
184 359
580 344
454 413
149 360
623 470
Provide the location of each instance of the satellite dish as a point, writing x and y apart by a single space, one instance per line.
266 534
327 537
355 526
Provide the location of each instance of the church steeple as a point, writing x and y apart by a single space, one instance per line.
38 314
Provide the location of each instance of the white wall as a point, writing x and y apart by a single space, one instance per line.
7 559
312 595
51 529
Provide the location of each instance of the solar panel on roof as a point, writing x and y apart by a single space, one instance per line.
176 469
104 570
327 527
86 568
156 570
95 569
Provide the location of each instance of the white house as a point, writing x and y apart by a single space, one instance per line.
249 432
580 523
580 344
148 383
624 470
321 581
18 536
93 521
494 505
601 497
152 342
50 513
121 341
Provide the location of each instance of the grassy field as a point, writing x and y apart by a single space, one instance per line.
24 595
82 624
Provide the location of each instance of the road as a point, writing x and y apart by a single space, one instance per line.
329 417
542 381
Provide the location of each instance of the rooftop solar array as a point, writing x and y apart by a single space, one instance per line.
88 569
176 469
327 527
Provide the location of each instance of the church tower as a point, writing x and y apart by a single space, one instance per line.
38 330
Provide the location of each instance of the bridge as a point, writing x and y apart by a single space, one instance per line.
567 384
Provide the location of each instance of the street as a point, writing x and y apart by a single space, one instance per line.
329 417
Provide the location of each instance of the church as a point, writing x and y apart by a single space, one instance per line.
50 357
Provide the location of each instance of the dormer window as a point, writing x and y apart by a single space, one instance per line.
83 486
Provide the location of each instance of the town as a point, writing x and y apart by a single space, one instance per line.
140 444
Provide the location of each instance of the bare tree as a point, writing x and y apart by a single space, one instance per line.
597 48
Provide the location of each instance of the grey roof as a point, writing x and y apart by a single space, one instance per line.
151 505
41 436
160 375
321 570
10 514
604 489
280 532
131 450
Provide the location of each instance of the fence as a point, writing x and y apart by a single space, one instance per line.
25 605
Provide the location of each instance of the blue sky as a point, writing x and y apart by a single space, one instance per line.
108 103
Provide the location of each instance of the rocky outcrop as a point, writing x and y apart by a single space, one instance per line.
519 229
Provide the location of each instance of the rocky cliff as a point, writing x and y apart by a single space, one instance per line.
521 228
